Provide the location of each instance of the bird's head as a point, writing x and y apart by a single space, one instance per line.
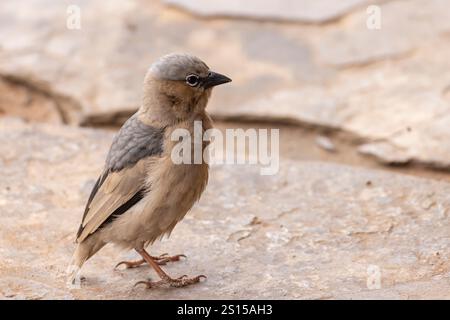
180 84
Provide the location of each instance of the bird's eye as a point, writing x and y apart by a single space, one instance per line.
192 80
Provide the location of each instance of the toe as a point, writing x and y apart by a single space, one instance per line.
121 263
146 283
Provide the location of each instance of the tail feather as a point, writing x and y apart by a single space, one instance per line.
83 252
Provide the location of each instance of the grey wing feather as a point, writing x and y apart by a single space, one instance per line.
122 178
135 141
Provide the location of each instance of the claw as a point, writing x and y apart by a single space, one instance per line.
164 258
120 263
148 284
161 260
130 264
179 282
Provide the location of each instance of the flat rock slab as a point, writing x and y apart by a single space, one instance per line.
313 231
388 86
306 11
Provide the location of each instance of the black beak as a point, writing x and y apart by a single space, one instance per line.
214 79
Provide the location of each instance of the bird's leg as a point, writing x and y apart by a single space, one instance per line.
161 260
165 278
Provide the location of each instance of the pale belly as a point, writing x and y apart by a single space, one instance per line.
173 191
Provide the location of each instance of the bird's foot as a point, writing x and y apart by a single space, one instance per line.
161 260
182 281
164 258
130 264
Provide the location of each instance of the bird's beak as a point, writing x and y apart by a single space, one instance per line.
214 79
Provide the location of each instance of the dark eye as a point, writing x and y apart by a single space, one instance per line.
192 80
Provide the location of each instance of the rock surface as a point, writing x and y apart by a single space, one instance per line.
309 11
313 231
388 87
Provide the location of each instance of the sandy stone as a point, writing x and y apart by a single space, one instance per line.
307 11
400 108
388 88
404 27
313 231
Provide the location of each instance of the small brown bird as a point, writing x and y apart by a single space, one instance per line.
142 194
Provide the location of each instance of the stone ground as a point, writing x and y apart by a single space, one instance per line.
312 231
364 120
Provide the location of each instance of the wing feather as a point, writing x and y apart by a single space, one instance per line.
122 183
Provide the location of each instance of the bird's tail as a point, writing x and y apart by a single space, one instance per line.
83 252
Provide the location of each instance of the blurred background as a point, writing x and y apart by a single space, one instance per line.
359 83
341 78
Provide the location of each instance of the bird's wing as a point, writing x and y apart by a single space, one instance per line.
122 183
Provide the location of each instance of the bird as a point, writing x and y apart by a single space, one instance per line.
141 194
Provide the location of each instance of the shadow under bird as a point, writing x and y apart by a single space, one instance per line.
142 194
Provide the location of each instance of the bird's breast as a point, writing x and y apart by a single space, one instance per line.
173 190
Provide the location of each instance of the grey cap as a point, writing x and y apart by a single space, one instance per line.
176 66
